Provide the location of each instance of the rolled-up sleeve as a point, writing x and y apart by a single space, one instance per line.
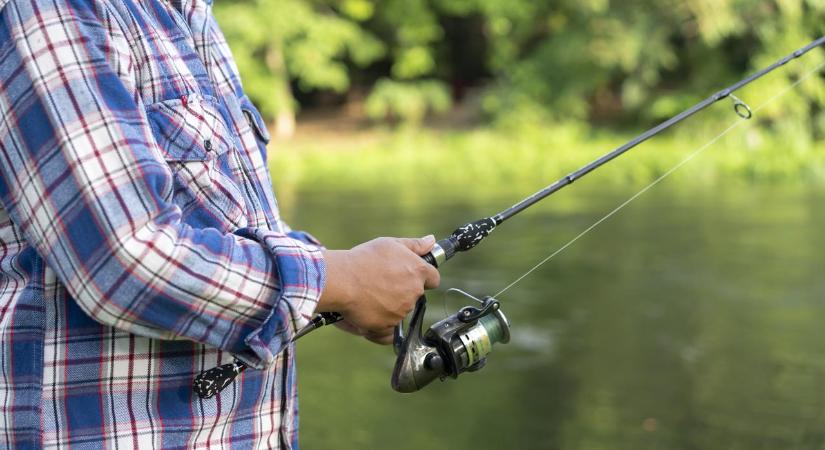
82 176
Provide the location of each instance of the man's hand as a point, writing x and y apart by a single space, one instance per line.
376 284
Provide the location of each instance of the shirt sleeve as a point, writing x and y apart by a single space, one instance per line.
84 179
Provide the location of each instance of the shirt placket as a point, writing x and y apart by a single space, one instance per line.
196 16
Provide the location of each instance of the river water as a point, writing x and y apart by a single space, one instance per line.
693 319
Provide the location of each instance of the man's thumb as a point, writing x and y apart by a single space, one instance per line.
421 245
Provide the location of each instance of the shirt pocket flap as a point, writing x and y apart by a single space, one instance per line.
256 121
189 128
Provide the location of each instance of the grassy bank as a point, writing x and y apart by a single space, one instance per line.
484 161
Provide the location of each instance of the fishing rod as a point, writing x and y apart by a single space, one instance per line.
461 342
469 235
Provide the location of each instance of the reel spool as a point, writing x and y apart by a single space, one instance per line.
459 343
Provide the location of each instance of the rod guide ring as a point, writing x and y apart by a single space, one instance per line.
741 108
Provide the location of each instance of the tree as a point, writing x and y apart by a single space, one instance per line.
276 42
540 60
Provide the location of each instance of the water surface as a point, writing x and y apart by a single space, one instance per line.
694 319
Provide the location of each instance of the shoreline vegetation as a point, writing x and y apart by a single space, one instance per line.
485 96
486 161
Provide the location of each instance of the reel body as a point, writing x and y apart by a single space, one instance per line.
459 343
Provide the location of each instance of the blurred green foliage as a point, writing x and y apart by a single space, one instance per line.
534 60
408 101
486 163
277 41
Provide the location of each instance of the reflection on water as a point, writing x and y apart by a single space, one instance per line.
691 320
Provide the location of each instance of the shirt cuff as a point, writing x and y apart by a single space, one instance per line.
305 237
301 274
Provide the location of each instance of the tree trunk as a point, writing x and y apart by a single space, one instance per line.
285 124
285 118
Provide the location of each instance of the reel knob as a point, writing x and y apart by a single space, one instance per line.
434 362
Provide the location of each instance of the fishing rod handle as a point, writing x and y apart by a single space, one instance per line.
441 252
462 239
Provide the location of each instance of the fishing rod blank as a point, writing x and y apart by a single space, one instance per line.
469 235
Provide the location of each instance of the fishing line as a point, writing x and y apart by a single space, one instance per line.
742 110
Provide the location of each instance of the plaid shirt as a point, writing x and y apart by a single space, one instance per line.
140 242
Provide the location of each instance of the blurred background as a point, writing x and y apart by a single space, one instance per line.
693 319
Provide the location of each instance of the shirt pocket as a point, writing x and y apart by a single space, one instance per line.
256 122
194 141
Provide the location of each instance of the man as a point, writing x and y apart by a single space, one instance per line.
140 242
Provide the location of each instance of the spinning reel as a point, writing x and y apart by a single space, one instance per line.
459 343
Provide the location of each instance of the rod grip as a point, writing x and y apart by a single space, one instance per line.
441 252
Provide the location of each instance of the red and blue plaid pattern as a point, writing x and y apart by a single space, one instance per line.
140 242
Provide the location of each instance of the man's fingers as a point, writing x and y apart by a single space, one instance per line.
420 246
432 278
349 328
382 338
380 332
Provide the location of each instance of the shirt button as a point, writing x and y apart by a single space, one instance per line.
207 144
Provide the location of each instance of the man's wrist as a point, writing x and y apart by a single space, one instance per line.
337 293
